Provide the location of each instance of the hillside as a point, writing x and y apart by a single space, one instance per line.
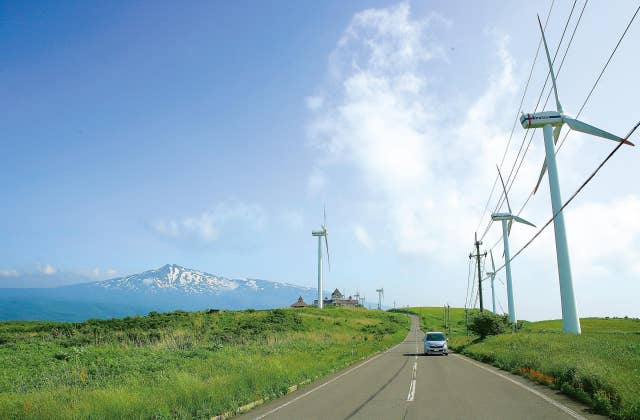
167 288
179 364
600 367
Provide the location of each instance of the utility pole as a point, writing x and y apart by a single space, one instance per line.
477 255
449 317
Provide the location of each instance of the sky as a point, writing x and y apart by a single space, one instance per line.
211 135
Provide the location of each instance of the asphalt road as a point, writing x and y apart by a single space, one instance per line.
403 384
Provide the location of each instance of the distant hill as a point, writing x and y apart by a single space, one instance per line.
167 288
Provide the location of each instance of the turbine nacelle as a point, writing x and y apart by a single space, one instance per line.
509 217
540 119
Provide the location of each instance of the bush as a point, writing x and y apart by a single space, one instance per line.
487 323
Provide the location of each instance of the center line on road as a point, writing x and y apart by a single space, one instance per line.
412 386
278 408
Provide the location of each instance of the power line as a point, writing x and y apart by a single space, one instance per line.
511 178
466 297
593 174
513 127
592 88
601 73
550 89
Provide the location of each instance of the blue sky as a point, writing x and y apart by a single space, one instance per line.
210 135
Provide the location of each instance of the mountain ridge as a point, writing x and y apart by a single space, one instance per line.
167 288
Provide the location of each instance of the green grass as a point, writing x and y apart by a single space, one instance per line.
600 367
179 364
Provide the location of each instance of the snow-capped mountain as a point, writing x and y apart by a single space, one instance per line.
167 288
172 277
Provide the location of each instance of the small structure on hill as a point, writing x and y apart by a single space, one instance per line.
300 303
338 299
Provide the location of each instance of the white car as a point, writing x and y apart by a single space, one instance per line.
435 343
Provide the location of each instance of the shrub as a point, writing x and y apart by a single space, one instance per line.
487 323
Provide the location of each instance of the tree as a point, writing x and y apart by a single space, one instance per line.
487 323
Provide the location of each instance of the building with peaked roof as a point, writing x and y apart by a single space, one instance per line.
338 299
300 303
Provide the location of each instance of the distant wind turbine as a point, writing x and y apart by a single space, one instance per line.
551 123
322 234
380 296
492 275
507 220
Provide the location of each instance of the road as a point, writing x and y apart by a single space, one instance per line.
401 383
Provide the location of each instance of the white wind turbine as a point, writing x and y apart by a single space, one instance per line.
380 296
507 220
551 123
322 234
492 275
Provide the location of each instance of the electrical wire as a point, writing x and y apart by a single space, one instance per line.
589 178
601 73
511 177
513 127
592 88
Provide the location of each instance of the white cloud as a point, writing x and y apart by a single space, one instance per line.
208 226
610 240
47 269
314 102
9 273
381 119
98 272
363 237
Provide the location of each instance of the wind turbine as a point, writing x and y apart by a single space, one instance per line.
507 220
492 274
551 123
380 296
322 234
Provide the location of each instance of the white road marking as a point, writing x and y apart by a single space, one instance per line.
412 390
412 385
325 384
551 401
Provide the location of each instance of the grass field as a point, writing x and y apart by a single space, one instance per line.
600 367
179 364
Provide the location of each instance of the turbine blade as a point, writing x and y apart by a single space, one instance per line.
506 197
553 76
493 266
521 220
578 125
509 226
544 169
326 242
556 134
324 213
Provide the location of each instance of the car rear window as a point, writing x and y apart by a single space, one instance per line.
435 337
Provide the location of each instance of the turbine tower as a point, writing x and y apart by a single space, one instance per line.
492 275
551 123
507 220
322 234
380 296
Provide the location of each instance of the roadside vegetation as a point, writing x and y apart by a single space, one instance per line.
601 367
179 364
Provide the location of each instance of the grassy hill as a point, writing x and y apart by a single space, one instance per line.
600 367
179 364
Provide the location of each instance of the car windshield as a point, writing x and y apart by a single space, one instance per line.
435 337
